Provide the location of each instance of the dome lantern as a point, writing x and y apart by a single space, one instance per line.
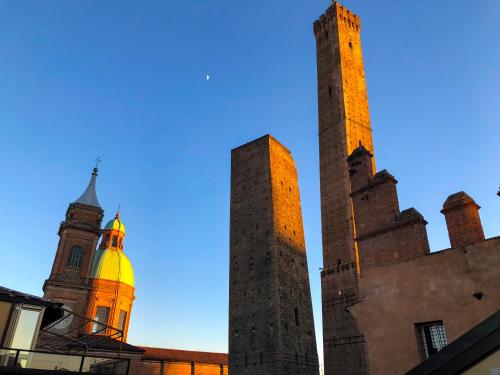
110 262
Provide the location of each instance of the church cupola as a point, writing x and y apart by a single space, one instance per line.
112 280
114 234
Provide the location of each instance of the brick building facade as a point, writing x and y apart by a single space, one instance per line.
388 302
70 278
97 283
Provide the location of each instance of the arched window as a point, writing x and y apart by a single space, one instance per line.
75 258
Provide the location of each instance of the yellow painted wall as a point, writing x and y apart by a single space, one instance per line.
4 316
486 366
177 369
145 368
202 369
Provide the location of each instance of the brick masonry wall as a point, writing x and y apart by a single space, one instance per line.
462 219
384 234
395 245
115 295
375 205
344 124
82 228
271 329
439 286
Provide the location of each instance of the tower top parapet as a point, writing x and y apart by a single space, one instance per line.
340 14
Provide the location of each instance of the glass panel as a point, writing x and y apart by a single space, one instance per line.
121 320
25 329
101 316
48 361
92 365
62 362
7 357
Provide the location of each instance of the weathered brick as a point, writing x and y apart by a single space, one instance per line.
344 124
462 219
271 329
82 228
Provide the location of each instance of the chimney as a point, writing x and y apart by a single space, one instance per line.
462 219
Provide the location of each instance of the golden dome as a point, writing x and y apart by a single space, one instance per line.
114 265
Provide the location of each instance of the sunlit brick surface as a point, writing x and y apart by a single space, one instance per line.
271 329
344 124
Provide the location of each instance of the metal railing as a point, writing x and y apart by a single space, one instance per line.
78 364
78 335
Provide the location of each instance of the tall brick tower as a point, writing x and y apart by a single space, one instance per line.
69 280
344 124
271 328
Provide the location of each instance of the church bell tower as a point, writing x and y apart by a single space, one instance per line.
69 280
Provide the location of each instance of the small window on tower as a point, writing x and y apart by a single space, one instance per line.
115 241
350 45
101 319
431 338
75 258
297 317
122 320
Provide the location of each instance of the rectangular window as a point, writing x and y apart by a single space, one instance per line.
297 317
431 338
122 319
26 329
101 318
75 259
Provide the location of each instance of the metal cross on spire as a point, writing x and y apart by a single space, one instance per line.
97 161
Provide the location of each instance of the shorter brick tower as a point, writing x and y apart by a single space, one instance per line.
69 280
112 282
271 328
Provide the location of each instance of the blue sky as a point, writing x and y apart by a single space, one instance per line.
127 82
